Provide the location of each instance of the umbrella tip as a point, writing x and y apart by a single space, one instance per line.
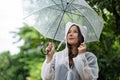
67 3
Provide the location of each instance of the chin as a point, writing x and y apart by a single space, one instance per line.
72 43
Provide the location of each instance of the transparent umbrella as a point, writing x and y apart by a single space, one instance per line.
49 17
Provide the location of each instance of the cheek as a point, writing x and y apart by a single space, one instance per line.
76 39
76 35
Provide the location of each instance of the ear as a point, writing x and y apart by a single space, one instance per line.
84 32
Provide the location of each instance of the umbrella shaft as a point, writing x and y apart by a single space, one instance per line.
58 26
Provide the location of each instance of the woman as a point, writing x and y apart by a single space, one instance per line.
72 63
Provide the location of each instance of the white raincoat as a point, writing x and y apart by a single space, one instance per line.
85 64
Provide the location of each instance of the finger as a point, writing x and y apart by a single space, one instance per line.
83 44
49 44
47 49
50 47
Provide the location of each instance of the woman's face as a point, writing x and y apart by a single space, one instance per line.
72 35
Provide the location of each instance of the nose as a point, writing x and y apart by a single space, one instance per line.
70 34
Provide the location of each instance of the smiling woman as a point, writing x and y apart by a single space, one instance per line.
10 19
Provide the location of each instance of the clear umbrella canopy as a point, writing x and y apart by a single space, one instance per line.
49 17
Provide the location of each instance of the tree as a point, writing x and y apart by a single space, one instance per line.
11 67
108 48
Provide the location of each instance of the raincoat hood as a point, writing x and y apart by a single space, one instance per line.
83 30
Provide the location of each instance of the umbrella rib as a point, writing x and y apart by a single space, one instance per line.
58 26
51 25
56 4
74 13
86 19
71 9
66 11
74 9
69 4
41 9
55 9
62 4
47 7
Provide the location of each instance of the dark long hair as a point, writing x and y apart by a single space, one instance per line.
80 40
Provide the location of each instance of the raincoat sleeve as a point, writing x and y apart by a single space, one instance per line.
87 67
47 72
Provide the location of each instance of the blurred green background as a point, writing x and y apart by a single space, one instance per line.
28 62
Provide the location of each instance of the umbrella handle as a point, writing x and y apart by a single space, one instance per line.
42 49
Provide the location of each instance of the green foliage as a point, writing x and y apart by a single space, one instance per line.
35 72
108 48
11 67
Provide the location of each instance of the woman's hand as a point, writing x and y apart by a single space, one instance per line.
50 52
82 48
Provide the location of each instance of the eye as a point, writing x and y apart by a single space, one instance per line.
69 31
75 31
